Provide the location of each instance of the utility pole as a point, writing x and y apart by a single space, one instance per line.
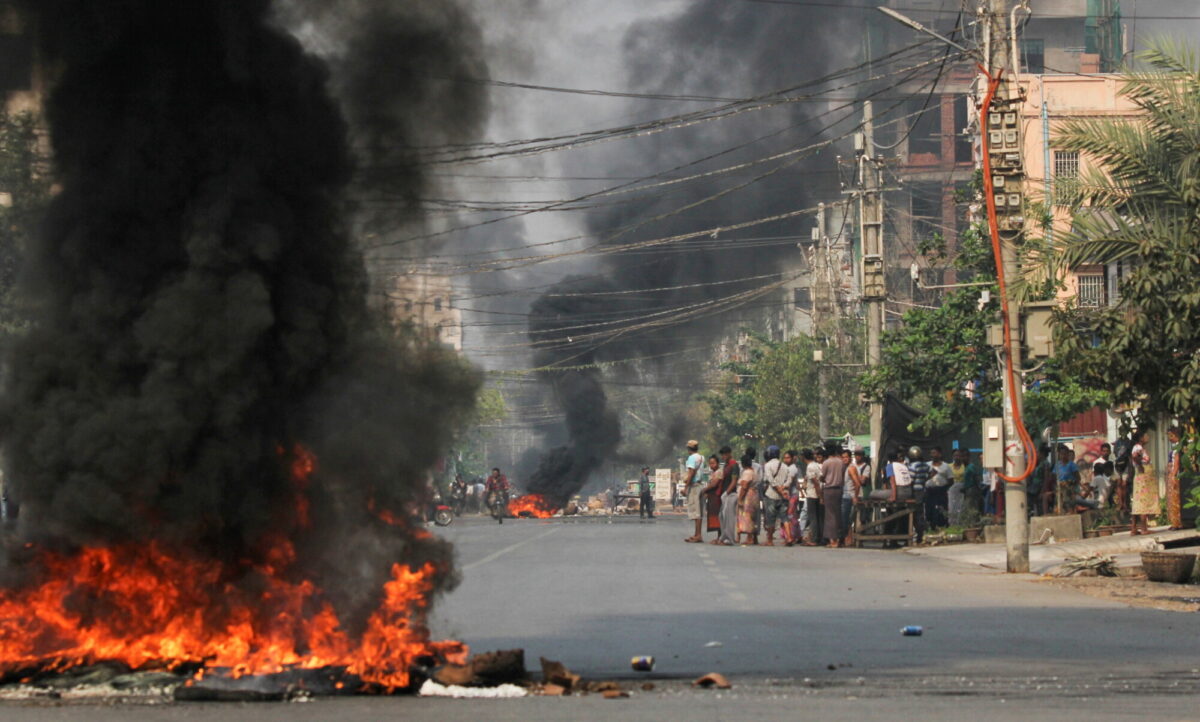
874 278
1002 135
821 256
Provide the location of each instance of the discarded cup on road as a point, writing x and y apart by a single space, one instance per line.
642 664
912 631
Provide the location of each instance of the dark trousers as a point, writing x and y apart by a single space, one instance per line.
646 508
813 532
937 500
832 498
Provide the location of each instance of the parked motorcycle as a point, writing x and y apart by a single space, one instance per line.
438 512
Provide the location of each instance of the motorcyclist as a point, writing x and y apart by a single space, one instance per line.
497 490
458 495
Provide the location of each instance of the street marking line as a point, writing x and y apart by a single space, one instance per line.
737 596
501 552
727 584
709 562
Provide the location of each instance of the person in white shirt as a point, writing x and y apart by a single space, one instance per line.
777 480
937 489
692 488
812 497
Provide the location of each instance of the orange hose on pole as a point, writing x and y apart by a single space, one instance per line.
994 228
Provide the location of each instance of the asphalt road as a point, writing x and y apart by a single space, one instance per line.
594 594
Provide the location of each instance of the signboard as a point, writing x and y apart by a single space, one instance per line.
662 485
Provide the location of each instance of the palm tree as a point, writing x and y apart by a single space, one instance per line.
1139 201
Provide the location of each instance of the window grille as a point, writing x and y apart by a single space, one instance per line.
1091 290
1066 164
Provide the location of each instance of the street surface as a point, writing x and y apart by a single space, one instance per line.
593 594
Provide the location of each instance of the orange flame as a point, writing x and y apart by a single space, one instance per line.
534 505
149 606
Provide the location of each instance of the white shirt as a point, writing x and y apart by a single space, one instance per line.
943 475
776 474
812 480
900 472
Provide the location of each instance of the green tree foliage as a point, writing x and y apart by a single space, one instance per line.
24 177
490 409
938 360
1140 201
774 394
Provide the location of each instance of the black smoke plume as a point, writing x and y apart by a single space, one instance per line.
202 308
721 49
593 429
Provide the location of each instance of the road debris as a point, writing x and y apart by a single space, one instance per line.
1097 564
504 691
713 679
714 644
642 664
912 631
556 673
614 694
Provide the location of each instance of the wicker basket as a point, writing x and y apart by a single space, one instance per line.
1168 567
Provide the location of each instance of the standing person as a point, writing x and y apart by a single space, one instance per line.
1145 487
725 490
713 493
1102 473
899 489
497 488
812 497
1066 482
968 476
1174 492
777 478
833 483
747 506
937 489
919 471
790 528
645 498
851 493
692 489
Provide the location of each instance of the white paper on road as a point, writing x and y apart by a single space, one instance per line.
504 691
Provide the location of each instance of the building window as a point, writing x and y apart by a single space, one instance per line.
437 304
1033 56
408 305
802 298
1066 164
1091 290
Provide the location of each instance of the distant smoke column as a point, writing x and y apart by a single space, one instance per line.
593 428
201 307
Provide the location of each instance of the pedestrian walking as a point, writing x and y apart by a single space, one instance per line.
833 482
645 497
692 489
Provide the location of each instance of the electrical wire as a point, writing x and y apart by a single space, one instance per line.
1031 454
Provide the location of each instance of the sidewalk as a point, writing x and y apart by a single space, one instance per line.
1043 558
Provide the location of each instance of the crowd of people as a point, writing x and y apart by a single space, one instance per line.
807 497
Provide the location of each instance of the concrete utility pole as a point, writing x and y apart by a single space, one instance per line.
821 245
1002 134
874 278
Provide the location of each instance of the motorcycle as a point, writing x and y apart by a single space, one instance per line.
498 504
439 513
458 499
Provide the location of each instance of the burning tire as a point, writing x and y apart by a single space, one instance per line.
443 517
